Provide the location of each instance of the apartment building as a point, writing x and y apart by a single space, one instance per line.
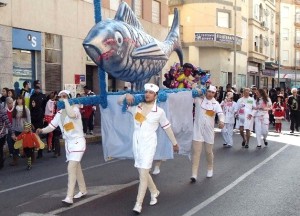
208 29
288 17
42 40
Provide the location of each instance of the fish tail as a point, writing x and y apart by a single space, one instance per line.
174 37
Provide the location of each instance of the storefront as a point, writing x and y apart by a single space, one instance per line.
26 48
253 74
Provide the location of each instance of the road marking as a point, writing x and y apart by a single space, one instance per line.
103 191
232 185
54 177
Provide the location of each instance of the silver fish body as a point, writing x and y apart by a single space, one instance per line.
124 50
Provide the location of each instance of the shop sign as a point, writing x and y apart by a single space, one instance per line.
267 72
26 40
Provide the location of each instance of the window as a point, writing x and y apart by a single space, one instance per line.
272 22
156 12
256 11
298 37
114 4
285 12
285 34
261 13
271 48
265 81
256 42
241 81
261 44
138 8
223 19
244 29
285 55
297 58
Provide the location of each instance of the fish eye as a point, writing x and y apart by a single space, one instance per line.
119 38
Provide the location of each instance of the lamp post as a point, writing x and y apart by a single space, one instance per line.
234 55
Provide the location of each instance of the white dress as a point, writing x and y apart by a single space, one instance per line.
72 132
245 106
144 135
205 112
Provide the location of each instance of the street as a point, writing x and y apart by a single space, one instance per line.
245 182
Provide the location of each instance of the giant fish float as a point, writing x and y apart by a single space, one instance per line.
122 48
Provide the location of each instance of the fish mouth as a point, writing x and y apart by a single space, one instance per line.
94 53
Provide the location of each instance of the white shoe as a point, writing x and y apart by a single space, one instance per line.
137 208
80 195
68 201
210 173
156 170
154 198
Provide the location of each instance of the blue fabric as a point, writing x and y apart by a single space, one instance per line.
117 127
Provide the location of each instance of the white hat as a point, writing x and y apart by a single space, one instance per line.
64 91
212 88
151 87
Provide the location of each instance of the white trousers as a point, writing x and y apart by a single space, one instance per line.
261 128
75 174
227 133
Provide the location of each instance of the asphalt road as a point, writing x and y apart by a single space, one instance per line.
245 182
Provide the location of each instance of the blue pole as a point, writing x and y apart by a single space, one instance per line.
101 72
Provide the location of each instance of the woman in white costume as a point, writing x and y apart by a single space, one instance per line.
70 123
246 108
229 109
263 105
206 109
147 117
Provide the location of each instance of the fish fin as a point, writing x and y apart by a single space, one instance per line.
174 37
149 51
125 14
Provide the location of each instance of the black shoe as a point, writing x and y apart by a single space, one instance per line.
224 144
28 167
193 180
243 143
291 132
266 143
247 146
259 146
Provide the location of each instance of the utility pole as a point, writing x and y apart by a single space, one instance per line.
234 55
279 45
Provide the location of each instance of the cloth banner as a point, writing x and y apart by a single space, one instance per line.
117 127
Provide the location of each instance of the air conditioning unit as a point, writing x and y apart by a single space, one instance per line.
3 3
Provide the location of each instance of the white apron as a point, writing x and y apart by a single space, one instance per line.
72 132
144 135
244 108
205 112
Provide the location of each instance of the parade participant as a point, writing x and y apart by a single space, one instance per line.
278 110
206 109
69 121
4 124
157 165
294 106
261 116
245 111
229 108
29 143
147 117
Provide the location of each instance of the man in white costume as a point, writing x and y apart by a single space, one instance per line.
70 123
147 117
229 109
246 106
206 109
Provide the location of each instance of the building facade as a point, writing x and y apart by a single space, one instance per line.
208 29
289 45
43 40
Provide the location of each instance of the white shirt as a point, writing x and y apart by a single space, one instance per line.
229 109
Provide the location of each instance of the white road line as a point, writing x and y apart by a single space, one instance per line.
53 177
232 185
86 200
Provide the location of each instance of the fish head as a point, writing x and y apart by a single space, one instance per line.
108 44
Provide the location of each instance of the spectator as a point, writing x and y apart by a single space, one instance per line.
35 84
49 115
4 95
90 121
9 108
293 104
25 93
20 114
